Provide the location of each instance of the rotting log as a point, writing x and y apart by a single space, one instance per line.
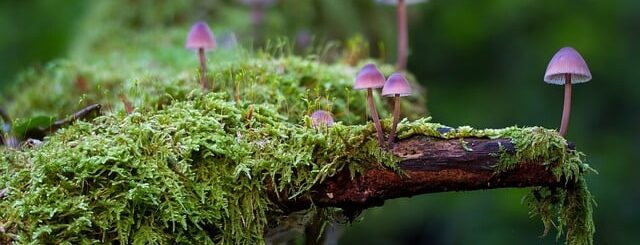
428 165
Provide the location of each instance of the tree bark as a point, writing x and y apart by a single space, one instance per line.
429 165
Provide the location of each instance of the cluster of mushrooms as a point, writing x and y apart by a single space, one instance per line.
371 78
567 67
201 38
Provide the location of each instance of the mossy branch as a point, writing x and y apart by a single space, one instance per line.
202 171
429 165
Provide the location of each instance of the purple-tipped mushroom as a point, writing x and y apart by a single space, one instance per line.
396 86
403 33
369 78
200 38
321 118
566 68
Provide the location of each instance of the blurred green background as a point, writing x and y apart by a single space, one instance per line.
482 63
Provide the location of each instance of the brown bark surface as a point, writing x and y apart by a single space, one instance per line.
429 165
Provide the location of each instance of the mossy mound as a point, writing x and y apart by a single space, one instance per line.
191 172
196 171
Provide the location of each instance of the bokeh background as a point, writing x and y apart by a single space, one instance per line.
482 63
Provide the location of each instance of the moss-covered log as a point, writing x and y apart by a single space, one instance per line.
174 165
199 171
430 165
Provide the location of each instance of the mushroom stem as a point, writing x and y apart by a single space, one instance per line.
566 110
5 134
374 115
6 124
396 118
257 18
203 69
403 40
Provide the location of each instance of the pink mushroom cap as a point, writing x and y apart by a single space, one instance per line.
396 84
321 117
200 36
567 61
369 77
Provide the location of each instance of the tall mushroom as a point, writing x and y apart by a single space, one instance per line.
369 78
403 33
200 38
567 67
396 86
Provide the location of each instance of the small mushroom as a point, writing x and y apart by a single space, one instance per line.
369 78
200 38
321 118
396 86
403 33
566 68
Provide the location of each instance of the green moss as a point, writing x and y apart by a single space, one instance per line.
187 167
195 171
192 171
569 208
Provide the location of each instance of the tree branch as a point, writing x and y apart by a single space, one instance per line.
429 165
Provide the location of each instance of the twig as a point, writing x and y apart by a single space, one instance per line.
81 114
39 133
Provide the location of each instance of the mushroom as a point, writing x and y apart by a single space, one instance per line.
200 38
566 68
403 35
321 118
257 13
396 86
369 78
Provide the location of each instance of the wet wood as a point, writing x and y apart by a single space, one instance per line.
429 165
